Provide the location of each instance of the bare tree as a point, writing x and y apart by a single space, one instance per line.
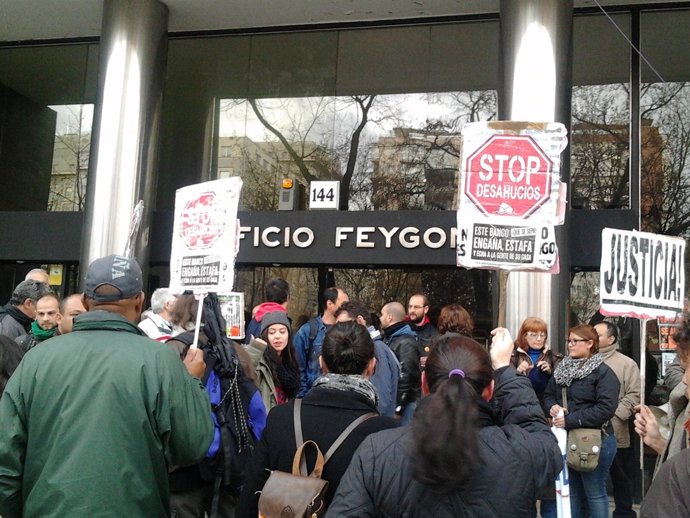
600 152
70 163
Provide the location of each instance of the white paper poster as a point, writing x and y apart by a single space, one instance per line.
491 243
642 275
510 196
204 241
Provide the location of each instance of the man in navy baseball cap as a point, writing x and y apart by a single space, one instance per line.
113 409
113 278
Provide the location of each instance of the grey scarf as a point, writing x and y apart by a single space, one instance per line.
571 369
350 383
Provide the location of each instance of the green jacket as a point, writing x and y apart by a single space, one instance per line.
264 378
91 420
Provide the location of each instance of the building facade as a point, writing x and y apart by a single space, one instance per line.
372 94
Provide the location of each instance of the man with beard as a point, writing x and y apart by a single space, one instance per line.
417 313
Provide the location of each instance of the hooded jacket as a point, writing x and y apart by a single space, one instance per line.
91 423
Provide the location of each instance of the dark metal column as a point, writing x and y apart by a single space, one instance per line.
535 85
122 166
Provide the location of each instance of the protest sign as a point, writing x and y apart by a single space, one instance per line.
512 170
642 275
493 244
204 242
510 196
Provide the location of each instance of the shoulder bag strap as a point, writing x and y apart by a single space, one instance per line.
564 396
299 438
298 422
341 438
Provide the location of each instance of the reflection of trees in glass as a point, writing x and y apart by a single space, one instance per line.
600 147
600 152
388 151
70 162
665 168
403 148
417 167
584 295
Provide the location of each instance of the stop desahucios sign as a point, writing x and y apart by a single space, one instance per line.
508 175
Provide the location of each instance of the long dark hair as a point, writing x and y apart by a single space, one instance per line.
445 428
284 368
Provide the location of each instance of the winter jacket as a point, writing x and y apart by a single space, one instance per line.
156 327
325 414
592 400
628 374
518 453
264 377
678 413
11 326
188 479
91 422
403 342
308 352
385 378
668 496
426 332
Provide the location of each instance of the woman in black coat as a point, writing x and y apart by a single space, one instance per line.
338 397
592 398
460 457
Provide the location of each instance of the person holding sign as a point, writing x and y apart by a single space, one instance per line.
591 390
668 494
273 358
92 422
646 424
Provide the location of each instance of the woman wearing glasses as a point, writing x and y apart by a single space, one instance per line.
592 397
532 357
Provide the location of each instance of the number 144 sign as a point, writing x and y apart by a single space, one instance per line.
324 195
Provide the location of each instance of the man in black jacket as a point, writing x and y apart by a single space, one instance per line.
402 340
17 315
418 314
338 397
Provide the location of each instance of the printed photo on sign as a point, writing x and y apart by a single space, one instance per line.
642 274
205 237
493 244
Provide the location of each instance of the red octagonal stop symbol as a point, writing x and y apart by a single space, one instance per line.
508 175
202 221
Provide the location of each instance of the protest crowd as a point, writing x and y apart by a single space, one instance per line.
110 410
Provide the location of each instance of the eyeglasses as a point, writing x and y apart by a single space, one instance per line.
575 340
531 334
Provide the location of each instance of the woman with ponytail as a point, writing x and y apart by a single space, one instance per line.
462 456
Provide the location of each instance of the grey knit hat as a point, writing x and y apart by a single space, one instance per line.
275 317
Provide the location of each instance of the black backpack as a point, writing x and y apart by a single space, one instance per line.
225 378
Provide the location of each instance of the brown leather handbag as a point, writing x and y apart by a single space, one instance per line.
300 494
